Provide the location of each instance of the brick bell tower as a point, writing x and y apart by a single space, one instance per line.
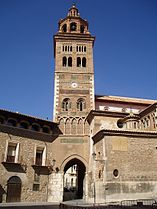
74 73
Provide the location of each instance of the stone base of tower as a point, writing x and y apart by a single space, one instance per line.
55 187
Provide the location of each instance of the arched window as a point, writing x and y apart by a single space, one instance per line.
70 61
77 48
67 126
84 48
71 48
78 62
73 126
11 122
66 104
65 48
61 125
83 62
46 129
24 124
81 105
80 126
2 120
64 61
64 28
82 29
35 127
73 26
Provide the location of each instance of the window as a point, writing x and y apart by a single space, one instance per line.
66 104
46 129
2 120
83 62
81 104
11 122
115 173
40 156
64 28
12 153
64 61
35 127
36 187
82 29
73 26
24 124
78 62
70 62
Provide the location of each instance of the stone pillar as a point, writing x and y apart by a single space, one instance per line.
55 187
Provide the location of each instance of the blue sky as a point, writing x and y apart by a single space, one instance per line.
125 51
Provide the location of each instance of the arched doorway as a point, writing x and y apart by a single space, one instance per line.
74 173
14 189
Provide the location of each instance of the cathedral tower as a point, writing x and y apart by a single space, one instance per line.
74 72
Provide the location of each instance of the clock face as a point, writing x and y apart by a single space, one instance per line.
74 85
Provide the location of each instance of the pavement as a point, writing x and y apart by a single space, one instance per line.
29 205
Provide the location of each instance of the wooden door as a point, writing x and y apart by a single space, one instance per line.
14 189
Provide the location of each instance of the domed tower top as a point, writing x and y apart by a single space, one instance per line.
73 23
73 11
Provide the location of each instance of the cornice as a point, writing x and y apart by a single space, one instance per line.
130 133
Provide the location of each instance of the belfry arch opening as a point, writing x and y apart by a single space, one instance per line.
74 174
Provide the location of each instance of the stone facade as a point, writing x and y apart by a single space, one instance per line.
111 140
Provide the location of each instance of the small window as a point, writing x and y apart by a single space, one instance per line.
35 127
78 62
70 61
115 173
66 104
84 48
77 48
12 153
64 28
120 124
82 29
81 104
64 61
73 26
46 129
83 62
2 120
39 155
24 125
11 122
71 48
36 187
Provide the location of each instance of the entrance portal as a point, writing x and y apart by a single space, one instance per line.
74 173
14 189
